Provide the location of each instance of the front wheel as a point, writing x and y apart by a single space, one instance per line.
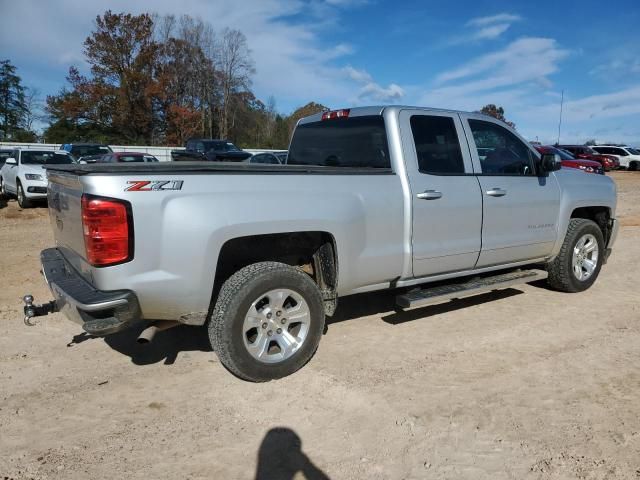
23 201
267 321
580 259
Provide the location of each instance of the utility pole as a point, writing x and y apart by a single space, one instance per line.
560 121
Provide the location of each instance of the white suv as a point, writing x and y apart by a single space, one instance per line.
629 157
23 173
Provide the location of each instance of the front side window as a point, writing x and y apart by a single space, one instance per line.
500 151
352 142
437 145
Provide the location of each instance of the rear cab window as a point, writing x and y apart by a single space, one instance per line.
351 142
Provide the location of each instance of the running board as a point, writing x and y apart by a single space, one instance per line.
474 286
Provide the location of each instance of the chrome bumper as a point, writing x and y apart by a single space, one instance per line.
99 312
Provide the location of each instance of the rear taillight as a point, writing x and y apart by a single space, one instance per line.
344 113
107 234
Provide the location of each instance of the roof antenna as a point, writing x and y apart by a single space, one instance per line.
560 121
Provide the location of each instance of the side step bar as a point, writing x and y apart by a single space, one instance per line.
474 286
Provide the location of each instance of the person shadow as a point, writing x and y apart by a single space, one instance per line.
281 458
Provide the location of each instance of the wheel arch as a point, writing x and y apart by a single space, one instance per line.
314 252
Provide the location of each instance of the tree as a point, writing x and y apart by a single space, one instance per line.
591 142
13 107
496 112
236 68
122 55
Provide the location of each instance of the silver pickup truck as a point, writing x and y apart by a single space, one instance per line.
371 198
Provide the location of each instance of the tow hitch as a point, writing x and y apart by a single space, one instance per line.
31 311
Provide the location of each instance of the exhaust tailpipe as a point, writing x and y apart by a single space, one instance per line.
148 333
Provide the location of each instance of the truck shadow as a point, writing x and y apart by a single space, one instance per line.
165 346
382 303
169 343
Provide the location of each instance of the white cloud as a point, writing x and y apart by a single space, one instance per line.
492 31
499 18
525 59
485 28
372 91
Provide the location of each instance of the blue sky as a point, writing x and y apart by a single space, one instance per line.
464 54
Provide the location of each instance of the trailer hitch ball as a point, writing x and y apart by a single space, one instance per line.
31 311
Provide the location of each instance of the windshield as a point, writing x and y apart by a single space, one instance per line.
633 151
84 150
341 142
41 158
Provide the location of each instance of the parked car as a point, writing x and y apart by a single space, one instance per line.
608 162
371 198
273 158
126 157
81 150
628 157
199 149
570 161
23 173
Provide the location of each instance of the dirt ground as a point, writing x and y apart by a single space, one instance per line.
523 383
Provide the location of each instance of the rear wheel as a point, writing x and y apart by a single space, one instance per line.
23 201
578 264
633 166
267 321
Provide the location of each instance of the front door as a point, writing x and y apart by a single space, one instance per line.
446 198
520 208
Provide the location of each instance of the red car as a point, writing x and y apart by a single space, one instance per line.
569 161
608 162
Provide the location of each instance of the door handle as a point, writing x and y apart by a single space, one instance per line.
496 192
429 195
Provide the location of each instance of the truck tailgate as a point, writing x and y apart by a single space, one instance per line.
65 212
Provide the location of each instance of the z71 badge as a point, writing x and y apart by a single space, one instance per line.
153 185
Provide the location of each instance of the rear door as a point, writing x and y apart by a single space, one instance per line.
520 208
446 197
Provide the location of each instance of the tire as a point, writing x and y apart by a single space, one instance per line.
633 166
3 192
23 201
237 335
563 270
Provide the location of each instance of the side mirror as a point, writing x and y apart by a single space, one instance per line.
11 161
550 162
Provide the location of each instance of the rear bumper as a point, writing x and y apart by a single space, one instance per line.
99 312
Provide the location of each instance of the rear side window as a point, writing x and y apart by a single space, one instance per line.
437 145
131 158
356 142
500 151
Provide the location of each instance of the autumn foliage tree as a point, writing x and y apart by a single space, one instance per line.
160 80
